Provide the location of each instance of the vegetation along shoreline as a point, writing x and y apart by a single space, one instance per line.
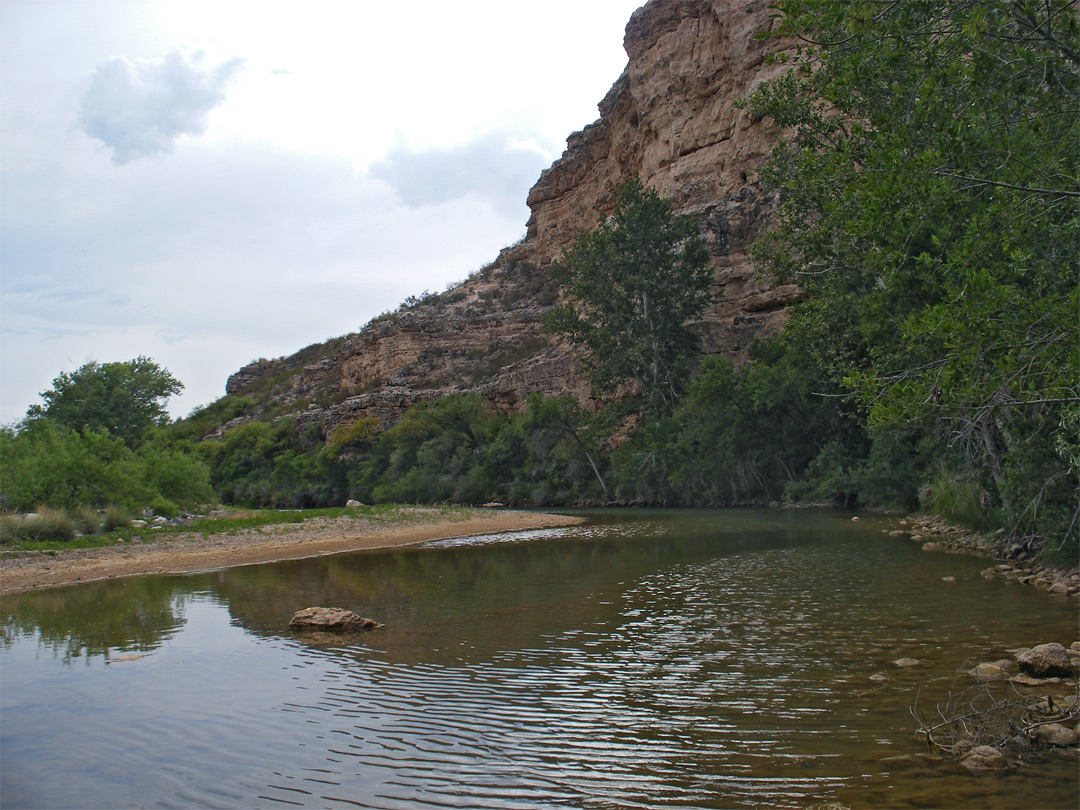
187 550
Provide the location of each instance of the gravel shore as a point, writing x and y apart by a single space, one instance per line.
191 551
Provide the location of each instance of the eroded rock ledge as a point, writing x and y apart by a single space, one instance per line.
670 119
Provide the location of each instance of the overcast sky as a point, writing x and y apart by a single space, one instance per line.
210 183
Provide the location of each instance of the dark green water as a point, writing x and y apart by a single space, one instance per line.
650 659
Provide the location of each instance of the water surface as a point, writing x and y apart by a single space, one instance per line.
713 658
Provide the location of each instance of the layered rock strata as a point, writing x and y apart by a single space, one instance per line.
669 119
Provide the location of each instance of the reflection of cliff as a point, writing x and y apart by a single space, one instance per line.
670 119
97 618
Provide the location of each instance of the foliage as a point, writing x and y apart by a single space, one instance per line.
122 399
633 284
260 463
46 523
929 202
746 433
205 420
48 463
548 454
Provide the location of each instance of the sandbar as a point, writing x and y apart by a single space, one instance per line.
190 551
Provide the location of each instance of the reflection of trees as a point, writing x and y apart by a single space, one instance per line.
96 618
437 603
445 603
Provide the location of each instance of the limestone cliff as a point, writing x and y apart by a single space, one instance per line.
669 119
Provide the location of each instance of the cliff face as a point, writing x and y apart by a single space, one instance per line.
669 119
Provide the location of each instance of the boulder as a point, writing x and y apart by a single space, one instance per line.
1046 661
352 504
984 758
907 662
988 672
1054 734
330 619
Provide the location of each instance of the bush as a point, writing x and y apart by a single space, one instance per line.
9 528
87 520
116 517
164 507
45 524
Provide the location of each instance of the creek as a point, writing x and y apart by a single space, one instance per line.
649 658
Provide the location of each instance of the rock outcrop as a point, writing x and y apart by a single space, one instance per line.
669 119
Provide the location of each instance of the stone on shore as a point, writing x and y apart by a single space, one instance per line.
1046 661
330 619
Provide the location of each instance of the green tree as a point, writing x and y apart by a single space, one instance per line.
631 287
929 201
124 399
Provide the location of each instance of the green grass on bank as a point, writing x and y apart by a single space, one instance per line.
55 530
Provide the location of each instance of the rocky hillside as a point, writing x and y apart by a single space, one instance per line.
669 119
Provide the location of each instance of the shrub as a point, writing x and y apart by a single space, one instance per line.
9 528
46 524
116 517
87 520
164 507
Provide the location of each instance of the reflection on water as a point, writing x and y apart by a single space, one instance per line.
690 658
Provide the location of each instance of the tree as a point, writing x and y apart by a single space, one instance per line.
929 201
631 287
124 399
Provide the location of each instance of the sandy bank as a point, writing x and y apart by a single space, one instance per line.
187 552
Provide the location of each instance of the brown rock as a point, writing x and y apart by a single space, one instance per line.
1045 661
903 663
988 672
983 759
1054 734
324 619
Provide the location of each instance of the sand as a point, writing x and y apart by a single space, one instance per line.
189 552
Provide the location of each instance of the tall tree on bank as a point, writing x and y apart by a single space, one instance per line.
124 399
930 200
630 287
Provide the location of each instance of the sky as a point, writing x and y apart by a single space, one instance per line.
209 183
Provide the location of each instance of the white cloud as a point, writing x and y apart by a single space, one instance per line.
494 166
358 154
140 107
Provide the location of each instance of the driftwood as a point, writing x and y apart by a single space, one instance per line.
995 714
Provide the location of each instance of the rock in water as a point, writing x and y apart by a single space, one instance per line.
984 758
1046 661
330 619
1054 734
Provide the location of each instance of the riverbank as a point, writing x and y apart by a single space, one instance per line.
1016 560
186 552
